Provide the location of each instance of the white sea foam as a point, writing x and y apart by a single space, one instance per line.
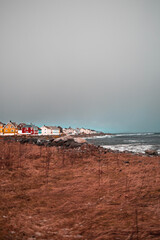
132 134
119 135
130 147
104 136
133 141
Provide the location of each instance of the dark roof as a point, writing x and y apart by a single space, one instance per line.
27 126
21 125
30 126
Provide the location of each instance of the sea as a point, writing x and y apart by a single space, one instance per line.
131 142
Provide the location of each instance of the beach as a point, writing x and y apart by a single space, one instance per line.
87 193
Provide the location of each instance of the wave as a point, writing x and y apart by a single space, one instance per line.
120 135
104 136
134 141
132 134
131 148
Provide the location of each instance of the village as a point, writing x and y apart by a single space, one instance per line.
12 128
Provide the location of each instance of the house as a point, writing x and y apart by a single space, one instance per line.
77 131
20 126
46 130
61 129
35 130
39 131
30 129
10 128
54 130
1 128
50 130
69 131
86 131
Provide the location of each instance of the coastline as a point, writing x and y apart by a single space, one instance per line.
75 141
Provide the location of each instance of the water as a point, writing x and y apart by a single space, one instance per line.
132 142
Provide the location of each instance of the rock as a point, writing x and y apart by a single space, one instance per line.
65 141
80 140
68 142
73 144
33 140
65 138
151 152
23 140
41 142
59 143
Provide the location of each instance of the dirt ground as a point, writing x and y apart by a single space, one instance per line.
84 194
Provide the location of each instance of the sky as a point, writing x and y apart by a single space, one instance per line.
81 63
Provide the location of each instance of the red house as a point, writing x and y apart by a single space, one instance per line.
30 129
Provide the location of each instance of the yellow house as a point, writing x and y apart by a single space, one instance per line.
10 128
1 128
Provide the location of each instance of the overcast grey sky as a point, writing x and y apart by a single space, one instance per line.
90 63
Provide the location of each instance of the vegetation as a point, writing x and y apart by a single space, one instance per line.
85 193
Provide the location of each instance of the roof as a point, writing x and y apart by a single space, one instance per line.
14 124
35 127
45 127
31 126
27 125
53 127
2 123
21 125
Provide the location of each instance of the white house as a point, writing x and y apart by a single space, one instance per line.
46 130
69 131
87 131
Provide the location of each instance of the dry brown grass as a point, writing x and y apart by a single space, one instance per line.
51 193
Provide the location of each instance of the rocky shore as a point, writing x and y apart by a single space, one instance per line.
64 142
48 141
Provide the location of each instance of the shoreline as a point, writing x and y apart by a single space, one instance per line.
70 142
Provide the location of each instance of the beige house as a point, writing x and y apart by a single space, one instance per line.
46 130
55 130
50 130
